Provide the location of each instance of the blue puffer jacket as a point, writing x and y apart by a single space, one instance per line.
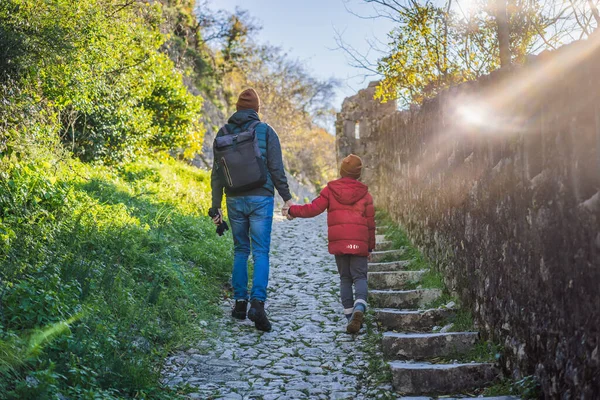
270 148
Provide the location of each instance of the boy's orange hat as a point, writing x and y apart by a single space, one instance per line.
351 167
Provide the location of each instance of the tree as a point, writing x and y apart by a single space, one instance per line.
503 32
95 69
223 40
437 44
431 48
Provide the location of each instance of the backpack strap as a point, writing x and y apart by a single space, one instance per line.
225 129
266 126
253 125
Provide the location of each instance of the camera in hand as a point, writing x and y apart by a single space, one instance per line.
222 227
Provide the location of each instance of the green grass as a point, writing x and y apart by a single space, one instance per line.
104 272
503 388
441 301
429 280
418 262
377 371
526 388
432 278
398 238
482 352
462 320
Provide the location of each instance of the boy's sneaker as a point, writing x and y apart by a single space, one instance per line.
355 322
258 315
239 309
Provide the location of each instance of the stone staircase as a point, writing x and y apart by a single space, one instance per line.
409 343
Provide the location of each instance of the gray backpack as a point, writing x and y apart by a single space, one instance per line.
239 160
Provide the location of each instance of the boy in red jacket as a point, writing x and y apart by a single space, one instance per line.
351 231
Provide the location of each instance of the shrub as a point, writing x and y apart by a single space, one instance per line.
95 68
104 271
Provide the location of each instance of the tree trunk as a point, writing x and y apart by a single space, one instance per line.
503 33
596 14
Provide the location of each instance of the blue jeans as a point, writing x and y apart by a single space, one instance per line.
251 219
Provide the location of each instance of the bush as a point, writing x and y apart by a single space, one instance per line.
95 69
105 270
108 266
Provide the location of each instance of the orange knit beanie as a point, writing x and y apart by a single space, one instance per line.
351 167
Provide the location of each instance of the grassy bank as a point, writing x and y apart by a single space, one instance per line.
104 271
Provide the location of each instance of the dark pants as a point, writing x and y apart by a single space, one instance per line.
353 271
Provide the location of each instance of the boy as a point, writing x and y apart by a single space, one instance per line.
351 232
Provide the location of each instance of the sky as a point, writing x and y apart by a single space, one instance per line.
306 29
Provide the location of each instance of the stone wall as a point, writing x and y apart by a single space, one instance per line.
499 182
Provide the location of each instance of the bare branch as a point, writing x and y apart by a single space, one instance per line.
378 13
595 12
391 4
581 24
357 60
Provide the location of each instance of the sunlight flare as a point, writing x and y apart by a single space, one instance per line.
467 6
472 114
40 338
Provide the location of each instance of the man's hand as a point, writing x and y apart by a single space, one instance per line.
217 219
285 210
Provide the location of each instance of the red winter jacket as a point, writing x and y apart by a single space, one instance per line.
350 218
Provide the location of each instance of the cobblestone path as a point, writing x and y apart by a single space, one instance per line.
307 355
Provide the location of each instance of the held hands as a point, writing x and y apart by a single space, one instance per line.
285 210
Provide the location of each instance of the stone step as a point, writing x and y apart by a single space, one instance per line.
389 266
378 256
411 320
457 398
381 229
403 299
380 238
423 346
383 245
435 379
393 279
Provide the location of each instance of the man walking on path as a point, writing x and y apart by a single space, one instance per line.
251 210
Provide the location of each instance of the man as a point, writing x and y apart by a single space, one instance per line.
251 212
